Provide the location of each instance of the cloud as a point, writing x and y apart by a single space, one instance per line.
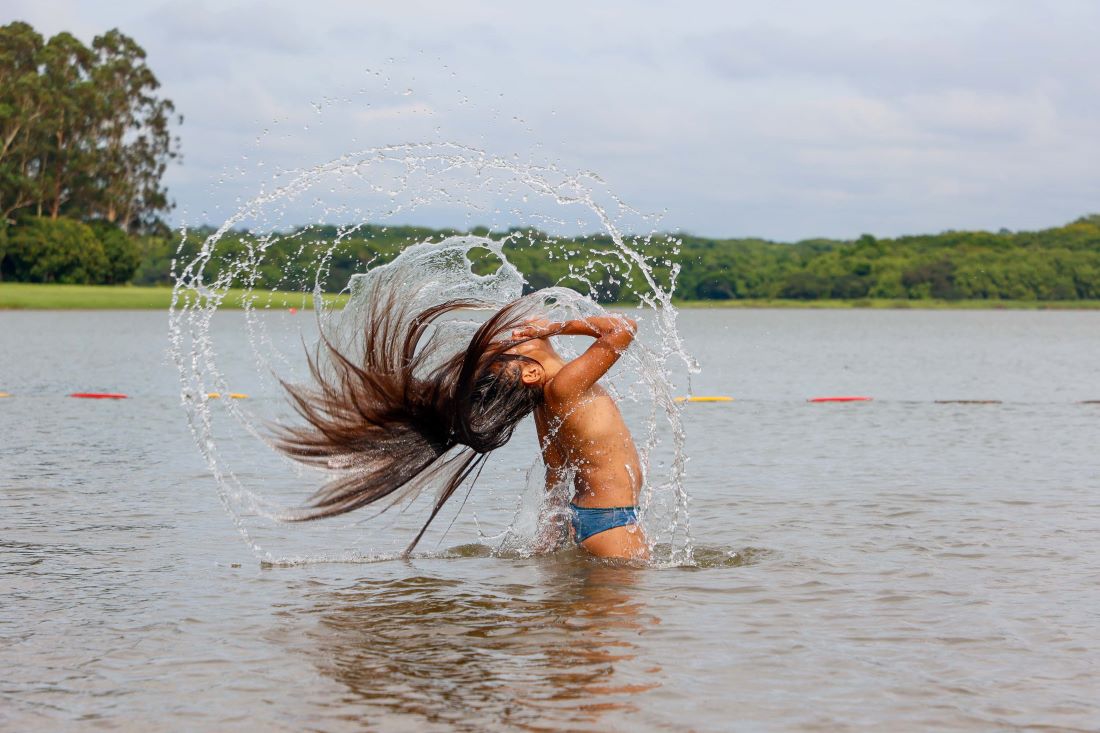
228 26
786 119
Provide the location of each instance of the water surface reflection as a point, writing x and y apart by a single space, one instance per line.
557 653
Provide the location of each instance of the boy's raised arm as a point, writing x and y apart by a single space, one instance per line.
595 326
613 335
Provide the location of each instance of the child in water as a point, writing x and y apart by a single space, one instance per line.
402 413
582 432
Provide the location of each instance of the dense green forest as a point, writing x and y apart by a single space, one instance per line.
1057 264
85 140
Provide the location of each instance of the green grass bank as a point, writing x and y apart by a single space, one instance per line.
27 296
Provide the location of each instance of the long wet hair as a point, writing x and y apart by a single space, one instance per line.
399 415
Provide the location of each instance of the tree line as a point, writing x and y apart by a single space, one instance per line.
1059 263
84 142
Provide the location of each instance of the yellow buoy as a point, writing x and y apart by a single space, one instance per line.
238 396
213 395
233 395
705 399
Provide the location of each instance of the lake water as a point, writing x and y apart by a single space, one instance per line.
900 564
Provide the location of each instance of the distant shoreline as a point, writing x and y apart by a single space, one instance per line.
27 296
44 297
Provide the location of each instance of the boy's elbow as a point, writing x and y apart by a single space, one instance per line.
628 327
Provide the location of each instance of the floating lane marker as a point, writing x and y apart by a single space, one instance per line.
717 398
3 395
839 399
231 395
98 395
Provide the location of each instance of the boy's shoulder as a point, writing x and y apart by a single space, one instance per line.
564 399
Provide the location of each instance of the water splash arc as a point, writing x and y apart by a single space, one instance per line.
349 195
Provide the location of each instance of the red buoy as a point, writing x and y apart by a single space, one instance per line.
98 395
839 399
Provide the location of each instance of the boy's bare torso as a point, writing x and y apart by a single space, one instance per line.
589 438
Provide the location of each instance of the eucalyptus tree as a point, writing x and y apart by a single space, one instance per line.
136 142
23 106
67 144
83 132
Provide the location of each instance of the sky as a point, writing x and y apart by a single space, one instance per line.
783 120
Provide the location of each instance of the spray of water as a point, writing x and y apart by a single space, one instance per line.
350 197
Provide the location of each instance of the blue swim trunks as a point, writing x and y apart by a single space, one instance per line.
588 521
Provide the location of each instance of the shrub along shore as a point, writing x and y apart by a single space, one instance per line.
31 296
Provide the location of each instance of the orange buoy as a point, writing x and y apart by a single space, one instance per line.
839 399
293 310
4 394
99 395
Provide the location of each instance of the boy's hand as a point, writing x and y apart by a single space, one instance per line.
535 328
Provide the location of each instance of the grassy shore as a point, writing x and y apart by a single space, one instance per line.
26 296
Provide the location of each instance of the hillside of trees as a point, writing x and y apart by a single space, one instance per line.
1060 263
1057 264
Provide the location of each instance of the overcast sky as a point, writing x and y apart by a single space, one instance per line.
780 119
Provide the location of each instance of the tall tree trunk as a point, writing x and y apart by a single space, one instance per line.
55 207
